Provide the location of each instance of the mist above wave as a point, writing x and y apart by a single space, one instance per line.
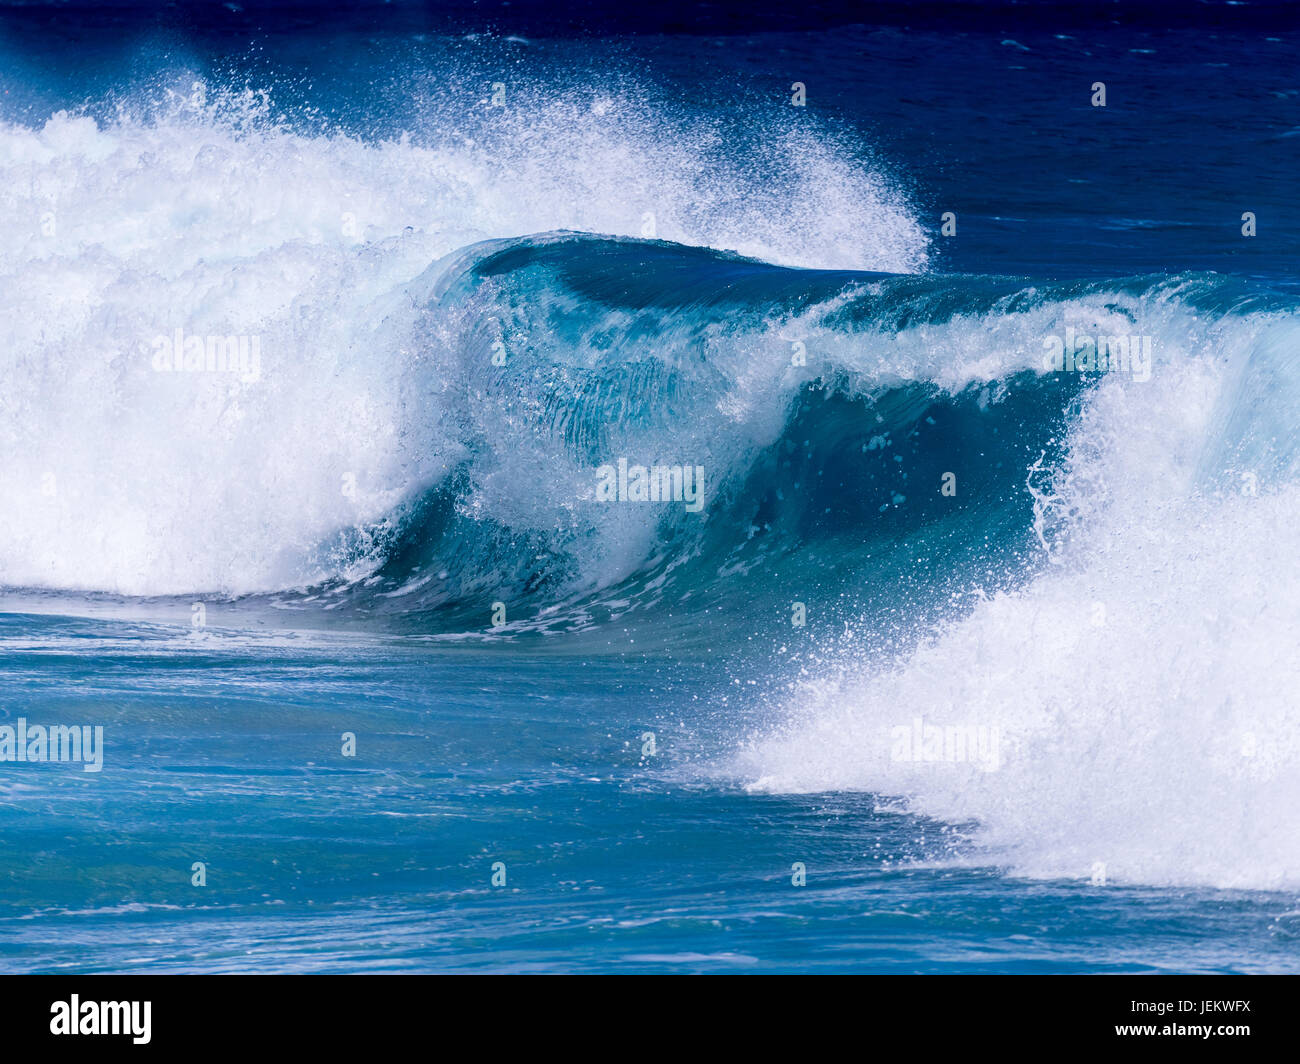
193 210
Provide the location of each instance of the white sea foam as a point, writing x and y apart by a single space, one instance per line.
1143 686
209 216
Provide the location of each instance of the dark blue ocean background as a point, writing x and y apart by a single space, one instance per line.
1120 835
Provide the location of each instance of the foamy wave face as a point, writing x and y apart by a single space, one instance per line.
1128 715
207 215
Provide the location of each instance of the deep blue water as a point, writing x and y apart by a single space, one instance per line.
598 735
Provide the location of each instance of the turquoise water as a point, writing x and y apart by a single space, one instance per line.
386 685
614 862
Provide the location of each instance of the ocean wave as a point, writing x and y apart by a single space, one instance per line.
192 211
1126 713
